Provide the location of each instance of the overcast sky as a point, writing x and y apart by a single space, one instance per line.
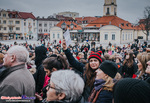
129 10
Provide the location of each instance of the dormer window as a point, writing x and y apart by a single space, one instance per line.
10 15
127 24
107 11
122 24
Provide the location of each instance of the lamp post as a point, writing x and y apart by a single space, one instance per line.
71 26
63 26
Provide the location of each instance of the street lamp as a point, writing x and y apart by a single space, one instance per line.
63 25
71 25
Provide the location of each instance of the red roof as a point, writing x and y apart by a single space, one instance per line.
76 27
25 15
88 19
111 20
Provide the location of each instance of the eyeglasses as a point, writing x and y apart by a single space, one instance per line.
49 86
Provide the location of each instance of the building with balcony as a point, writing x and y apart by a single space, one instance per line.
17 25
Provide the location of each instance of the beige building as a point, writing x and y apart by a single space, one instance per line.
17 25
114 29
69 14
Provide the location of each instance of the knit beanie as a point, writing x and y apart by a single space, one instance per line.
96 55
110 68
130 90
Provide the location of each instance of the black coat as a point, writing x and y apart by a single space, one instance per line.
128 71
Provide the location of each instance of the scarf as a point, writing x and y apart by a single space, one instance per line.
98 84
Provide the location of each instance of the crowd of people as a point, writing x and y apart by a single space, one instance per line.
50 73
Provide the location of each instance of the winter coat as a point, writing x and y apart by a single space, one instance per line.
39 76
128 71
17 81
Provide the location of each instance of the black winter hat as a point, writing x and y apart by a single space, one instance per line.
110 68
130 90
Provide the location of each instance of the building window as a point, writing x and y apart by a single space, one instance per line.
10 22
40 24
58 36
45 25
50 25
53 35
131 36
106 37
10 28
45 30
126 36
4 15
107 11
113 36
17 22
122 36
24 24
4 22
17 28
5 28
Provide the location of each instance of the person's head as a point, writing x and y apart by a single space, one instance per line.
130 90
16 55
81 54
143 58
95 60
129 55
106 69
129 59
1 58
148 67
40 54
106 56
53 63
65 85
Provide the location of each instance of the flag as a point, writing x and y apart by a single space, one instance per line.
67 37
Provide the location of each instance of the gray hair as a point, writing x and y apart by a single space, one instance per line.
21 53
68 82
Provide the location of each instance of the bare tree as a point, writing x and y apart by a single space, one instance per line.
144 23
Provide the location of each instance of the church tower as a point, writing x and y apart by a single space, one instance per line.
110 8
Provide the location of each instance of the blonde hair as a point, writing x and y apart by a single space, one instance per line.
109 84
143 58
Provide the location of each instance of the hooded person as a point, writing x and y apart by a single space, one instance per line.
39 76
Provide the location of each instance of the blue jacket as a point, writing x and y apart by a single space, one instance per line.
105 96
